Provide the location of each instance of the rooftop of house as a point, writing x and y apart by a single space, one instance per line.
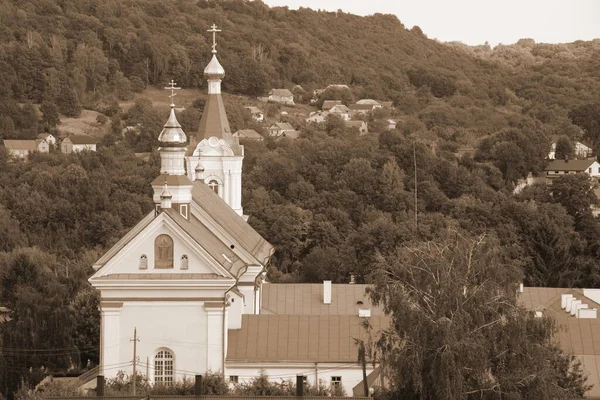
29 145
284 126
281 92
569 165
248 134
327 104
254 110
82 139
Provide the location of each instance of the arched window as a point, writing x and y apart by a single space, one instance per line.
164 367
163 252
143 261
214 186
184 261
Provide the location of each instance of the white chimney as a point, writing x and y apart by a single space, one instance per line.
326 292
563 300
574 305
520 288
587 313
568 302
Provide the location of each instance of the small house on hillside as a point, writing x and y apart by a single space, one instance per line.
280 128
341 111
328 104
20 149
559 168
317 117
282 96
248 134
76 143
50 139
360 125
362 108
256 113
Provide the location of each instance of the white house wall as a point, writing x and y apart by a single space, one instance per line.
351 373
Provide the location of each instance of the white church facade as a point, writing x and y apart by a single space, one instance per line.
189 279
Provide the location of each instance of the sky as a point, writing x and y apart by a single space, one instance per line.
477 21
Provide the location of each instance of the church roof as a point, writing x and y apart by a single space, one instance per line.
307 299
214 122
171 180
172 134
229 223
165 276
299 338
214 70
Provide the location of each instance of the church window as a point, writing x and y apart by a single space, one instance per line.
184 261
214 186
163 252
163 367
143 261
184 210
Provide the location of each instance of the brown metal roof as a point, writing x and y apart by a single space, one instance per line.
307 299
570 165
214 122
299 338
172 180
281 92
580 337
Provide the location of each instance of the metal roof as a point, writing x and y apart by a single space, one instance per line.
300 338
20 144
570 165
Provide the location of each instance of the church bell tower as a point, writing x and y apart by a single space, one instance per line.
214 156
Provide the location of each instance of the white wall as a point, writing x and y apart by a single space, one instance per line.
351 373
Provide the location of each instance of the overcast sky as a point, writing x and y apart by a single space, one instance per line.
477 21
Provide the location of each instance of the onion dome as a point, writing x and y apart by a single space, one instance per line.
199 168
214 70
172 135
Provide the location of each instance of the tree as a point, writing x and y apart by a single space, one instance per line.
68 103
457 331
576 194
50 117
564 148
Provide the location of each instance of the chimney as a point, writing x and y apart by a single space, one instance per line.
352 278
326 292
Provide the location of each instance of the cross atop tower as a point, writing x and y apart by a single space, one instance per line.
214 31
172 88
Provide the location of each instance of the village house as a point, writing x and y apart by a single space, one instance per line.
189 279
248 134
559 168
280 129
361 109
49 138
20 149
317 117
256 113
77 143
341 111
360 125
282 96
328 104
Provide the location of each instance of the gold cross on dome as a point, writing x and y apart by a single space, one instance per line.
214 31
172 88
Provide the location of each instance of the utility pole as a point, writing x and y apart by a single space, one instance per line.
416 193
147 367
134 340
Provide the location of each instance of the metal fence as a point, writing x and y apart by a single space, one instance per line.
207 397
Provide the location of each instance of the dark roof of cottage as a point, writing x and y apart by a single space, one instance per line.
81 139
570 165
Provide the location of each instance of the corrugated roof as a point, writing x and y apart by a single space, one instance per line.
299 338
224 217
172 180
285 126
307 299
577 336
249 134
327 104
29 145
570 165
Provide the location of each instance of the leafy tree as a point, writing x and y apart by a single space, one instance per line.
564 148
50 117
576 194
457 331
68 103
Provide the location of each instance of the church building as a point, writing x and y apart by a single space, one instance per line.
187 282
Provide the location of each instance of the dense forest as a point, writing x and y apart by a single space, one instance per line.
332 202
